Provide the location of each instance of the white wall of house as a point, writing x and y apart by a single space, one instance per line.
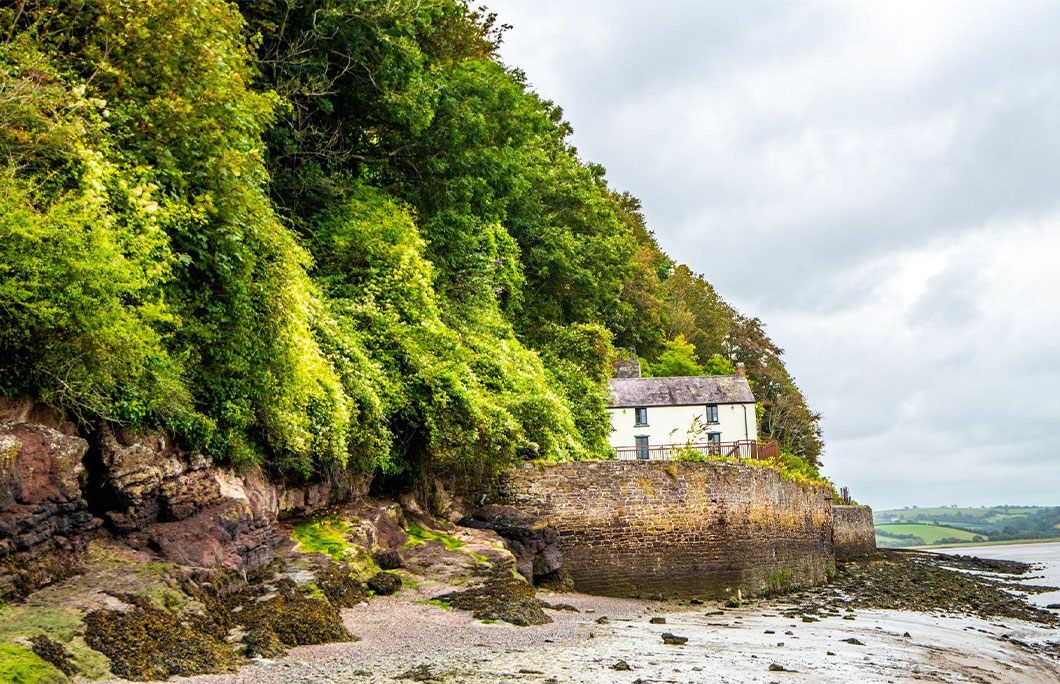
672 424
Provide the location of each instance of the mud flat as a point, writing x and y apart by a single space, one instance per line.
949 620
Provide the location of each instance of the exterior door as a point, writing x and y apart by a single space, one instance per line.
642 447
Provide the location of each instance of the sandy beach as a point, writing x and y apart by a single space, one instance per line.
401 640
847 631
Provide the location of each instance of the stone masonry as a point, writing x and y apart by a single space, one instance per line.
854 534
637 528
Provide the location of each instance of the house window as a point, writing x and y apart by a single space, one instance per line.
714 438
641 417
712 414
642 447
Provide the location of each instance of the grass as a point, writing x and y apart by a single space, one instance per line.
20 665
928 534
419 535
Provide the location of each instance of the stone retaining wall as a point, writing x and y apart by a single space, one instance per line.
629 528
853 533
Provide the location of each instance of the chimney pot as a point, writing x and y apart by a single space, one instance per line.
741 369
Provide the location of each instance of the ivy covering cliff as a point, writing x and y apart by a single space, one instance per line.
326 234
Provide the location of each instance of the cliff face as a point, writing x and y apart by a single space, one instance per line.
44 518
58 490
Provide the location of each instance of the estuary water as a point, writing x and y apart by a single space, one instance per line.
1045 557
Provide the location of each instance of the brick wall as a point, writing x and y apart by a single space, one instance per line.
853 532
629 528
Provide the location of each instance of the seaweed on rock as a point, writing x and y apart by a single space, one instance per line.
295 619
145 643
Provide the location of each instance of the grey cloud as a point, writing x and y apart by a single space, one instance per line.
889 171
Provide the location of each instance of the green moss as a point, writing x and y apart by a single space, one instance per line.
28 619
20 665
441 603
323 535
361 563
408 580
778 582
419 535
24 620
159 571
479 557
311 590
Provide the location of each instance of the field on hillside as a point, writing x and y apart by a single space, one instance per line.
917 526
918 534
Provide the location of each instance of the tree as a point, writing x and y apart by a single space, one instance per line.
679 358
718 365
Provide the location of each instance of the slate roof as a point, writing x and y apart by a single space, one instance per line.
686 391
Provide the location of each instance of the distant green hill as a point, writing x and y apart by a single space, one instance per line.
917 526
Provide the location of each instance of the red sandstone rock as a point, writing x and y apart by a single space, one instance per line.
44 520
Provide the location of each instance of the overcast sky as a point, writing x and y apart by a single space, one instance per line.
878 181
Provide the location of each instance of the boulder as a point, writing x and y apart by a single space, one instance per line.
192 513
384 583
533 540
141 478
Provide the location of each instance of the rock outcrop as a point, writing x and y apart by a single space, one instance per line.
58 489
157 497
44 518
531 538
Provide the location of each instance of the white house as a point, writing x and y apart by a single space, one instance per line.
653 417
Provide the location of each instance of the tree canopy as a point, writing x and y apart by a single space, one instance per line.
327 234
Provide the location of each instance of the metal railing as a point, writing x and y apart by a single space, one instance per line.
759 451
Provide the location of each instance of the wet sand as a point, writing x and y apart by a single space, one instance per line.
428 643
1045 556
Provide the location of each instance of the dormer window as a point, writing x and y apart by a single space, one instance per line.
712 414
640 417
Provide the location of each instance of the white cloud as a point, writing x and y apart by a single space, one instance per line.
888 173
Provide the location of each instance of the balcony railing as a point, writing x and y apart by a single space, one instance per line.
759 451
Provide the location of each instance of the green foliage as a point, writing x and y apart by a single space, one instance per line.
718 365
795 468
779 582
324 235
679 358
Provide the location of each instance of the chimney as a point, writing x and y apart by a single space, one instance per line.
741 370
627 369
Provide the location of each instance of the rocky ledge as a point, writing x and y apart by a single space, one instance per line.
122 555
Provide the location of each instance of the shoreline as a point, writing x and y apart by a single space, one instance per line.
406 641
1001 542
893 617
